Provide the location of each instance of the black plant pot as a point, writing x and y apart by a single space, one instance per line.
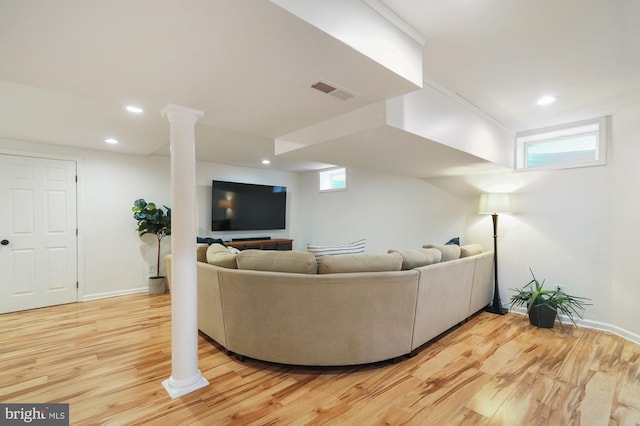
542 316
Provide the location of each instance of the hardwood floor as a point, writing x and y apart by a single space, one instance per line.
107 359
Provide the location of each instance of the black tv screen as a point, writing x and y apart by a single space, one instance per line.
247 207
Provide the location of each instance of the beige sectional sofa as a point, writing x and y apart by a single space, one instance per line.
321 315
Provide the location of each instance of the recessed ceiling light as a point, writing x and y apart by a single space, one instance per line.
546 100
111 141
134 109
266 162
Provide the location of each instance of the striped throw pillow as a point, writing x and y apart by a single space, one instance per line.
357 247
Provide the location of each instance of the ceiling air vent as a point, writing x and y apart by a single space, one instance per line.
333 90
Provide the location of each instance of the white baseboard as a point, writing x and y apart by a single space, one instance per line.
595 325
96 296
614 329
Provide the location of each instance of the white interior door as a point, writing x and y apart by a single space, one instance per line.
38 238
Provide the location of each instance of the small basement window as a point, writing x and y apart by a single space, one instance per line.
333 179
578 144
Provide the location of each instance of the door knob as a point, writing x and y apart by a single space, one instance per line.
4 242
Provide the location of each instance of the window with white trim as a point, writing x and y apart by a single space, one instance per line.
578 144
333 179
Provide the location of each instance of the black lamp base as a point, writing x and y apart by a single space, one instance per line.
496 306
497 310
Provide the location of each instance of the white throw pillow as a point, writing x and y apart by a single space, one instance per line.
357 247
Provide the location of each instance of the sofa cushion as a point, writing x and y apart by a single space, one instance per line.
201 252
412 258
278 261
449 251
216 248
357 247
470 250
219 255
360 263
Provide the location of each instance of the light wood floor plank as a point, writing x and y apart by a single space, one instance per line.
107 359
595 407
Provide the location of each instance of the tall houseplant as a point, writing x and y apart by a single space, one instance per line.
153 220
543 305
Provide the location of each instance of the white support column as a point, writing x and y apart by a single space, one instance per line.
185 376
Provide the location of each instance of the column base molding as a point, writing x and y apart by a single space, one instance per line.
176 390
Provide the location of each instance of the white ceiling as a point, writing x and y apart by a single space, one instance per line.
501 55
68 68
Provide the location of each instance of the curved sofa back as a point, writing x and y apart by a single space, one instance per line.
340 318
333 319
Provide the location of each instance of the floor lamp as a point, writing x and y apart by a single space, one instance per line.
495 204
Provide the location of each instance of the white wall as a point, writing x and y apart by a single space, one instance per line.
390 211
560 228
575 227
115 258
625 220
112 258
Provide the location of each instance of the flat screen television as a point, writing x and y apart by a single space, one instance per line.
247 207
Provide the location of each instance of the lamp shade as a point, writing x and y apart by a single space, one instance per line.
494 203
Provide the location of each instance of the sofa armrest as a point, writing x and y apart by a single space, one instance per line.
482 289
444 291
210 315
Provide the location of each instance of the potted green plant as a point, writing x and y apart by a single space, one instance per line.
153 220
543 305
